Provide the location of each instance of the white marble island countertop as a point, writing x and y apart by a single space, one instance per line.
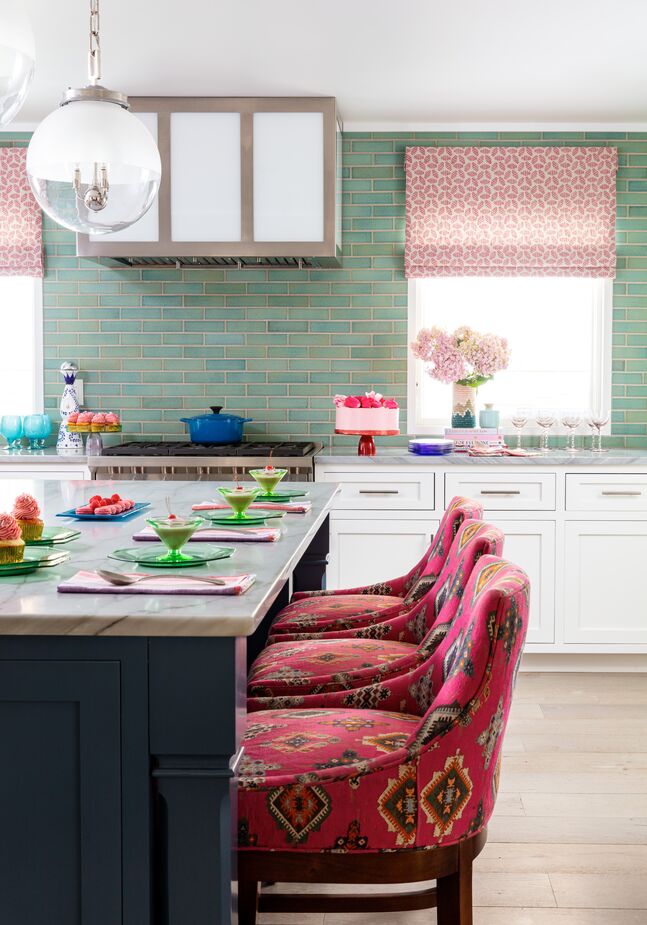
31 605
401 457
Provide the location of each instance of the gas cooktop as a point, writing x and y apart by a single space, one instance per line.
169 448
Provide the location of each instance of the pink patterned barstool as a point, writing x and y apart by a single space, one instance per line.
376 797
359 670
331 611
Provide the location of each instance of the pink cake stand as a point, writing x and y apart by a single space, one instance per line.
366 445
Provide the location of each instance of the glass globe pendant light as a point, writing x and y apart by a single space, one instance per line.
92 165
17 58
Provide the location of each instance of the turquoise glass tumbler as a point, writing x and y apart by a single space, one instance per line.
37 428
11 430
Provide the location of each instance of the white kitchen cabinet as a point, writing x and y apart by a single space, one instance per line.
531 545
504 491
605 600
382 490
580 534
363 551
603 493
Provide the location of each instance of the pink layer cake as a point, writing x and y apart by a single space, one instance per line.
368 413
358 420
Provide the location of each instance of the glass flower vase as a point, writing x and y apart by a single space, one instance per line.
463 405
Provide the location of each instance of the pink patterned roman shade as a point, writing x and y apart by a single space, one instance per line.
21 238
511 211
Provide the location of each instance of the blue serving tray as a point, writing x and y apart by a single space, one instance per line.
133 512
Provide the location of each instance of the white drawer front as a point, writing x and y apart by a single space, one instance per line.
499 491
625 492
382 491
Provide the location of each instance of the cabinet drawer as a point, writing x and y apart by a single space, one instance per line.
361 490
606 492
500 491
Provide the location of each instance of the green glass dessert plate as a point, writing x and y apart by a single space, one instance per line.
54 536
278 496
198 555
34 559
254 519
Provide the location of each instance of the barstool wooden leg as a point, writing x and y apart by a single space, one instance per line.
247 902
454 893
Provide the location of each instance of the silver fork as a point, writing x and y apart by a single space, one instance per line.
119 579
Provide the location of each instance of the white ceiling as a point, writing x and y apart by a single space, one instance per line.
413 63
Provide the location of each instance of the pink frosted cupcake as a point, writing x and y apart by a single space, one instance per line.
84 421
12 545
98 422
27 514
113 422
72 420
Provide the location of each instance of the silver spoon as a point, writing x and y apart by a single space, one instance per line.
119 579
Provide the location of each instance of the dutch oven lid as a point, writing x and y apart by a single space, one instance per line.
216 415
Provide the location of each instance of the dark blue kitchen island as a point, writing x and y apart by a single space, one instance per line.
120 721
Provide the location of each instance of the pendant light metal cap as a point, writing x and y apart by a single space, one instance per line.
95 93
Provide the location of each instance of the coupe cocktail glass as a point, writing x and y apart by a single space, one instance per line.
175 533
268 478
239 499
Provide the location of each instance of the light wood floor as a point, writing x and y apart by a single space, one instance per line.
568 841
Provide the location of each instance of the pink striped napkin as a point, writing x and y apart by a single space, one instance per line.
220 534
90 583
291 507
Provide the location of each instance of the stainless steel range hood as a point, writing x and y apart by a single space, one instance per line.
246 182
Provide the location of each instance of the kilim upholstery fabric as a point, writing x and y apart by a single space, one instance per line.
370 781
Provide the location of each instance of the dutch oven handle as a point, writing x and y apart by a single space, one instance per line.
216 408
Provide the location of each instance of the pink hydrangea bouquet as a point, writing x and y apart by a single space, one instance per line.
465 356
367 400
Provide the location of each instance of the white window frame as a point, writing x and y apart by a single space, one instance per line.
602 362
38 348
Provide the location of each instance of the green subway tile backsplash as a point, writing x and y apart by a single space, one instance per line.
276 345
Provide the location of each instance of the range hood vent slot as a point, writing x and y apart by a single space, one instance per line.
232 263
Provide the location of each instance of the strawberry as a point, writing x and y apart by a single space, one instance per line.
115 499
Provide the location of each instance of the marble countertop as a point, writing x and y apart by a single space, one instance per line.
48 455
400 457
31 605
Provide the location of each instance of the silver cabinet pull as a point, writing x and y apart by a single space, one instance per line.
623 494
379 491
494 491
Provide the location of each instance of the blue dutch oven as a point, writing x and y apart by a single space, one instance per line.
216 427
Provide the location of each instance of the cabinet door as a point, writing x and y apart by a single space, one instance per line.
605 582
531 545
364 551
60 793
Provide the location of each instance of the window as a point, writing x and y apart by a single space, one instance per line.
559 331
21 345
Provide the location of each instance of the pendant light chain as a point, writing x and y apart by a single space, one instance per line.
94 56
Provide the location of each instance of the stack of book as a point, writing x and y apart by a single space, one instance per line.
464 438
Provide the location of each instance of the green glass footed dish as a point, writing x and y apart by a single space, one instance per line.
175 533
239 499
268 478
